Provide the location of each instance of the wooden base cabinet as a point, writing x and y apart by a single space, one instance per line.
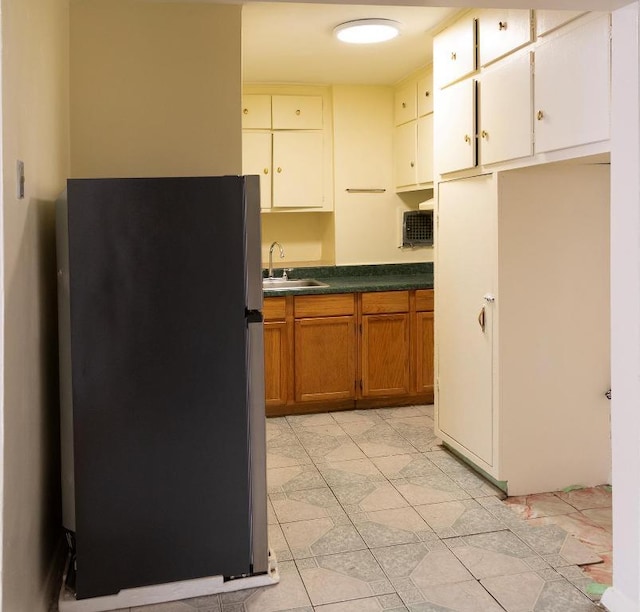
332 352
522 290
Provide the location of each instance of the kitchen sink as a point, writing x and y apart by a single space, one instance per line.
285 284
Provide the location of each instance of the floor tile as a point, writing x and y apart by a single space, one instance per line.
601 573
429 489
534 593
458 518
378 440
342 577
284 456
271 515
391 527
352 416
588 498
536 506
495 554
382 603
288 594
406 466
279 433
554 544
323 536
474 484
601 517
404 411
447 462
415 567
305 505
278 544
294 478
206 603
328 443
496 507
468 596
170 606
417 430
581 580
308 420
594 537
369 496
346 473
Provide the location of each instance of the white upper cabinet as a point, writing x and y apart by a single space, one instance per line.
425 94
454 52
256 111
424 148
405 103
406 146
547 21
256 159
298 173
455 127
296 112
502 31
506 130
572 91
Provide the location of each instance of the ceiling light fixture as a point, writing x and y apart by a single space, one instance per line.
366 31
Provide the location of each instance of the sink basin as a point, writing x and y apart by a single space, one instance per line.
285 284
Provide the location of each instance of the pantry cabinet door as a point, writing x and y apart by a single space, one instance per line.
455 127
572 87
256 159
464 325
406 137
425 149
506 130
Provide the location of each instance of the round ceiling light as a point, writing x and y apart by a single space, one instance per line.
366 31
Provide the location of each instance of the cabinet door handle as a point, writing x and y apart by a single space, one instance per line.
453 55
484 134
540 115
298 112
502 25
404 105
245 111
426 93
467 138
266 171
279 170
481 319
412 164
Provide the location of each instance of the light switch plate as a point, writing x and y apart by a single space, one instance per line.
20 180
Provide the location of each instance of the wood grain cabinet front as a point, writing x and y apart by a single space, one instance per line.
424 341
276 352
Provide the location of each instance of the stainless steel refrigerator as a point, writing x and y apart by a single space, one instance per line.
162 381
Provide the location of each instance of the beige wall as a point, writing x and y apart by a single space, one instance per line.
35 129
155 88
368 225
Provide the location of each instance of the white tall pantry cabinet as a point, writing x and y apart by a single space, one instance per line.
522 335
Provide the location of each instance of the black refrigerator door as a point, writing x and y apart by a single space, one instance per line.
158 346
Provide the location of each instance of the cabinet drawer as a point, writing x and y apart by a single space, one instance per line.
405 104
425 95
323 305
501 32
385 301
454 52
424 300
256 111
296 112
274 308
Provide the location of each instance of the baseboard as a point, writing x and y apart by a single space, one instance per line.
614 601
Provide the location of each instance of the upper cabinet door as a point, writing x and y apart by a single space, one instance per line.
424 173
298 175
256 159
547 21
506 130
406 137
425 95
454 52
502 31
256 111
572 87
405 104
297 112
455 127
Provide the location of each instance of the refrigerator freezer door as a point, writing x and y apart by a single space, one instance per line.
253 257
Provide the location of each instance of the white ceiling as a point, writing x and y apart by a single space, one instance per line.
294 43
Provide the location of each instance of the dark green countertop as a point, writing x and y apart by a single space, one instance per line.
359 279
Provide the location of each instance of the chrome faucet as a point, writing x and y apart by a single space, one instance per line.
273 244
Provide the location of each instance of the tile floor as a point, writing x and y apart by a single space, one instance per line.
368 513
